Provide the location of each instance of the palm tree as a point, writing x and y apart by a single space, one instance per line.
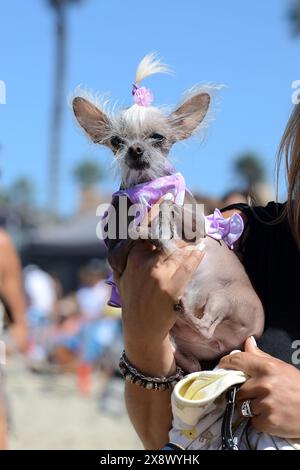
249 169
87 174
22 192
59 7
251 172
294 17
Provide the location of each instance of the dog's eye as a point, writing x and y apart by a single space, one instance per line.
157 137
116 142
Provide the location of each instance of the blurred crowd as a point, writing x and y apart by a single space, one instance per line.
77 332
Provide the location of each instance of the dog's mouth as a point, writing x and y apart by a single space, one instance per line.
138 165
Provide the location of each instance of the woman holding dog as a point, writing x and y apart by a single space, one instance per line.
270 251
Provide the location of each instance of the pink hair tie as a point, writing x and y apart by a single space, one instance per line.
142 95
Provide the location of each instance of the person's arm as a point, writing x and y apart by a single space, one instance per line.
150 411
149 287
12 288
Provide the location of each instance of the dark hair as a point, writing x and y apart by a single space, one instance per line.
289 149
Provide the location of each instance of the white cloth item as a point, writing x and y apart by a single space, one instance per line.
92 300
105 331
198 405
40 289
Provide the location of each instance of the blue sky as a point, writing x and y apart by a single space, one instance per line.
245 45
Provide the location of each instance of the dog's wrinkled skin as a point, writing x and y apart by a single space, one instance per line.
224 312
221 307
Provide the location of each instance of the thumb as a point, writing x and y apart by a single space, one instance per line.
251 347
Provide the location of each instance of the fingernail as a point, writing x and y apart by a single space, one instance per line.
168 197
234 351
253 341
200 246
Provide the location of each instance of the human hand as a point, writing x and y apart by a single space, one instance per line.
273 389
150 285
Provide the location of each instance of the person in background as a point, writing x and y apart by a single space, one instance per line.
93 293
99 327
40 289
11 289
41 293
235 196
65 334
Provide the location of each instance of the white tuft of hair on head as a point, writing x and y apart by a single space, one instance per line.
150 65
136 115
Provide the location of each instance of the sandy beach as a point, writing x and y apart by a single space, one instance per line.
48 412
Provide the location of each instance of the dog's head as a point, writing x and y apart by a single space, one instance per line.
141 136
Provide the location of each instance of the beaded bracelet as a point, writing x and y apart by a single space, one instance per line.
132 375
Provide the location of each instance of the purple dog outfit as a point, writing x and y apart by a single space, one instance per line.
172 187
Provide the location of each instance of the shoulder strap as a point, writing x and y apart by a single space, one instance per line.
241 206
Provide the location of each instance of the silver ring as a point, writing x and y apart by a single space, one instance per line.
246 409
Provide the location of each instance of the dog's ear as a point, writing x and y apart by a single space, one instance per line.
189 115
91 119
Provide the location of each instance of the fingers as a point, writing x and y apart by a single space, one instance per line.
178 267
183 268
249 390
140 253
251 347
255 406
152 213
255 392
183 257
267 422
182 254
253 365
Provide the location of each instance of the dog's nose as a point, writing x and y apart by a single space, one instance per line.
135 151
